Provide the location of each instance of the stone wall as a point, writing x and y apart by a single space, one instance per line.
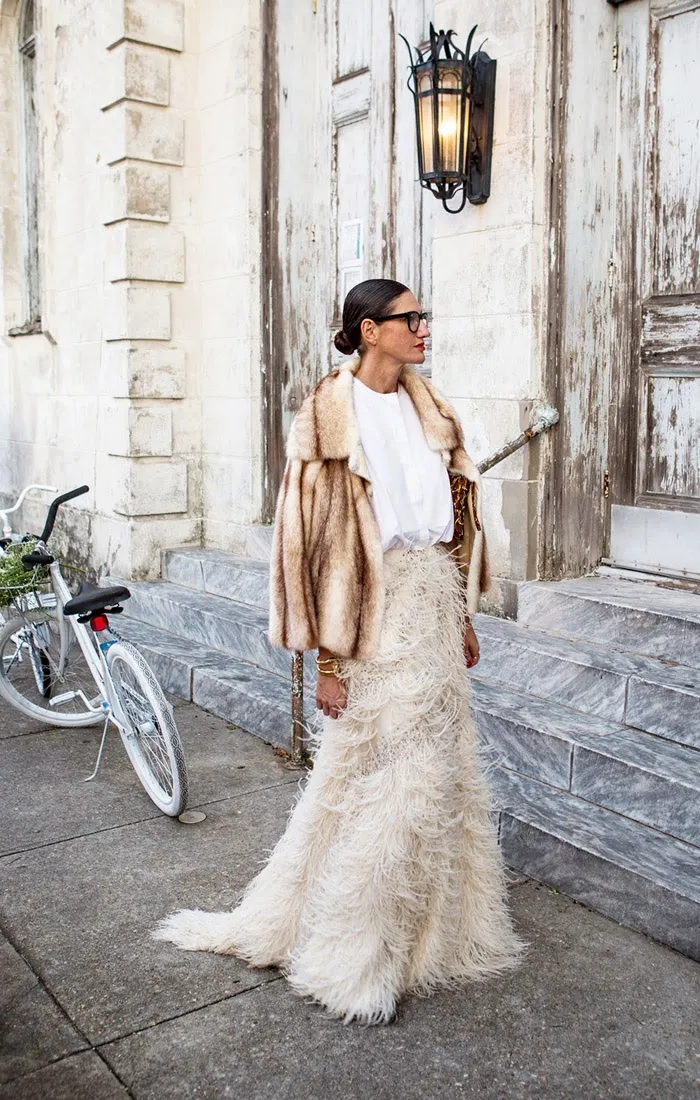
227 265
489 280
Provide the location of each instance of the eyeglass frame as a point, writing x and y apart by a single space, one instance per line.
404 317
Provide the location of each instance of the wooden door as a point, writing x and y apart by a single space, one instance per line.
341 201
655 428
623 360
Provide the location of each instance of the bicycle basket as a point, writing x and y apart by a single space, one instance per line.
16 581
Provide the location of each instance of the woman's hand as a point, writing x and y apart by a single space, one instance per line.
331 695
471 647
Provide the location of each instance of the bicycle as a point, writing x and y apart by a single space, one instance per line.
53 657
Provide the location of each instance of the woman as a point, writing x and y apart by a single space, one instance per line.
388 878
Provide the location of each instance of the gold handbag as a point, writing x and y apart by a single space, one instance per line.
461 487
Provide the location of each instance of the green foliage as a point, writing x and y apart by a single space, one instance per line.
15 579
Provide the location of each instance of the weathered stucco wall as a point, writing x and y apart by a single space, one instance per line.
227 265
143 382
489 274
146 380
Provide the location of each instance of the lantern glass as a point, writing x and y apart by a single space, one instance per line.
425 118
449 121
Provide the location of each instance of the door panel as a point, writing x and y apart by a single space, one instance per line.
676 42
670 403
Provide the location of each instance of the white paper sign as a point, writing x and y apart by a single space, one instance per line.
351 243
350 277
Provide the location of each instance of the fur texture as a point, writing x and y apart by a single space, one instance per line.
388 878
326 576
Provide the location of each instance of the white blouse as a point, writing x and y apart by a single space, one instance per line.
410 484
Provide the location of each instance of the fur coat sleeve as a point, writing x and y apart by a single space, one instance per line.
326 575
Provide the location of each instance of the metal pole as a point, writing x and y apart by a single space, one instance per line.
298 746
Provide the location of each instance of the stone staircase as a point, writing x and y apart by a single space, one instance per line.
589 706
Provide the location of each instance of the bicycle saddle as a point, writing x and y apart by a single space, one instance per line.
93 598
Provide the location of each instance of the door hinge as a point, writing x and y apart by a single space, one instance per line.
611 272
616 54
606 484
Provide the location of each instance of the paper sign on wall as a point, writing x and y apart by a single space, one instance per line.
350 256
351 243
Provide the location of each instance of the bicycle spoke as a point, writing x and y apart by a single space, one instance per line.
46 669
151 741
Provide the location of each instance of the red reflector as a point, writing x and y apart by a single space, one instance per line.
99 622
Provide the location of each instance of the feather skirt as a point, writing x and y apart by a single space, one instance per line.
388 878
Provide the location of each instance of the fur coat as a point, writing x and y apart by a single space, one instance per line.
327 575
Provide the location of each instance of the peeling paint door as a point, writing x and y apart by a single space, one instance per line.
341 199
624 352
655 433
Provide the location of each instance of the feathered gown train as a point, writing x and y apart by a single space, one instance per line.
388 878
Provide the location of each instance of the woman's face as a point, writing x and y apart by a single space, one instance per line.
394 338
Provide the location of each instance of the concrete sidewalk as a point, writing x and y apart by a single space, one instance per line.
93 1009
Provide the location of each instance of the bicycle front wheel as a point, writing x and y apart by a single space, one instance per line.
45 675
150 736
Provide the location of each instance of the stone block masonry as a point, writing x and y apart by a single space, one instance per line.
140 474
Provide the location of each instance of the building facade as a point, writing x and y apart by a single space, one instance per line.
189 187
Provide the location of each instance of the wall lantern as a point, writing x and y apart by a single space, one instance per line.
454 97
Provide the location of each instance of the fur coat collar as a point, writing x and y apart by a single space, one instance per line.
326 425
327 565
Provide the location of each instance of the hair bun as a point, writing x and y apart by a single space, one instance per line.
342 342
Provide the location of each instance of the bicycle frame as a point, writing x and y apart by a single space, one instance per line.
95 653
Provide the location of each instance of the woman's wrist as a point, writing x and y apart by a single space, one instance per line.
327 664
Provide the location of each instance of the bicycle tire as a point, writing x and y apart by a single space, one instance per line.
152 741
17 689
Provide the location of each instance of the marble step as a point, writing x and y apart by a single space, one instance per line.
636 774
219 573
633 616
636 875
256 700
638 691
218 623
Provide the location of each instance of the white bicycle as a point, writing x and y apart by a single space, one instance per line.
62 664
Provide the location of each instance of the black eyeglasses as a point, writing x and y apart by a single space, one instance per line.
412 318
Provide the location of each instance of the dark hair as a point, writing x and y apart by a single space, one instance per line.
369 299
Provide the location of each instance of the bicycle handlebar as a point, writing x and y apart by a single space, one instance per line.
53 509
5 512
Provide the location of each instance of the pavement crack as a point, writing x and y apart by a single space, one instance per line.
188 1012
157 816
49 993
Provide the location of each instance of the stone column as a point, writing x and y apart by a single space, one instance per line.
142 480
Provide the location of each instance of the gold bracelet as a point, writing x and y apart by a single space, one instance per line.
321 662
